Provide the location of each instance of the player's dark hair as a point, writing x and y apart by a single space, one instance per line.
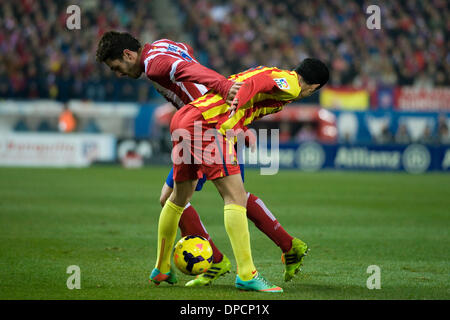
112 44
313 71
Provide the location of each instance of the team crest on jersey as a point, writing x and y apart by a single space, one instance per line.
282 83
182 53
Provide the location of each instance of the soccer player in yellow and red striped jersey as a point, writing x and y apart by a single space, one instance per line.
172 68
264 91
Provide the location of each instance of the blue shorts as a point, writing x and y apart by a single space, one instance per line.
169 180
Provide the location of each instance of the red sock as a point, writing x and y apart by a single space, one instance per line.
265 221
190 224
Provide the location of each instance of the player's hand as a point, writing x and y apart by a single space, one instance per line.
233 107
233 91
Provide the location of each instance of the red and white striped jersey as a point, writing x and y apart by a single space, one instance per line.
177 75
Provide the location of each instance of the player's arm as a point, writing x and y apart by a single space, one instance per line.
188 71
197 73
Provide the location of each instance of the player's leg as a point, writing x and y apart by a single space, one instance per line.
190 222
233 193
231 188
167 229
185 175
293 249
220 167
265 221
166 191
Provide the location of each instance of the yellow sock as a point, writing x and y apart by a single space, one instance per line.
167 231
236 225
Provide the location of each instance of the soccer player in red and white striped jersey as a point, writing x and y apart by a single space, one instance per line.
177 75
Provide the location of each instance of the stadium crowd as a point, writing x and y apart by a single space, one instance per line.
40 57
411 48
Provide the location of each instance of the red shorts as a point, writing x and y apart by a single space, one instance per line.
199 149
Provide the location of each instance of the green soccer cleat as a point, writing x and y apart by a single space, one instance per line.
293 259
157 277
258 283
215 271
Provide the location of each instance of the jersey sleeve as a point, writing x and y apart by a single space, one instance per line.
281 85
180 70
186 71
159 67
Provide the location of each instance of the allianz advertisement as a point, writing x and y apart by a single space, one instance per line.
312 156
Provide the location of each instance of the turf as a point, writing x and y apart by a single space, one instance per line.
104 220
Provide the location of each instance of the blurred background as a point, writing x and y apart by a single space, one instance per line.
387 106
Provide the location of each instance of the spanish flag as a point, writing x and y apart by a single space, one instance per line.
344 98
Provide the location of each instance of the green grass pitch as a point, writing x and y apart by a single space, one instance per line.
104 220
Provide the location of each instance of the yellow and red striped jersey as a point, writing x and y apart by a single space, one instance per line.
265 91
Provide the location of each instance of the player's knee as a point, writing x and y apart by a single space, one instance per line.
238 199
182 192
179 200
162 200
165 194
